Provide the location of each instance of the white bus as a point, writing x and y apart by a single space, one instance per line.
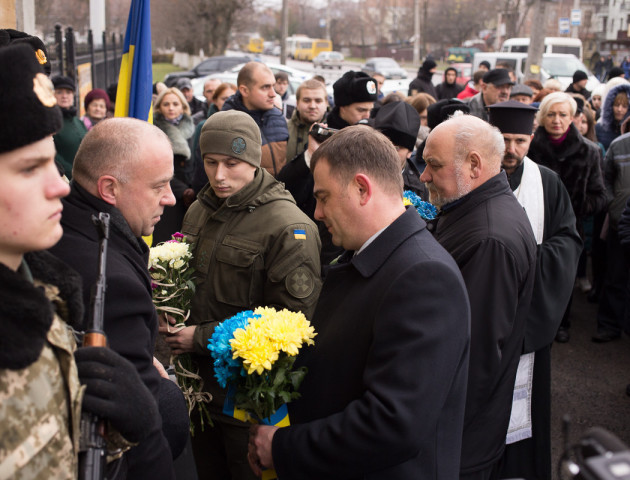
293 42
552 45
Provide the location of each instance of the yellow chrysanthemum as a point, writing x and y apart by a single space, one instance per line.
286 329
406 201
253 346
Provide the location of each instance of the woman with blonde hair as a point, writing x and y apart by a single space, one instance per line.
172 115
558 145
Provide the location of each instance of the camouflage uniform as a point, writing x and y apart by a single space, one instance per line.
40 404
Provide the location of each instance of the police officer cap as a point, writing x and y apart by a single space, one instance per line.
28 108
512 117
9 36
354 87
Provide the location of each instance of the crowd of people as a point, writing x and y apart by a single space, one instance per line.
434 332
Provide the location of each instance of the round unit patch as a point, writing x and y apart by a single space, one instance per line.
300 282
371 87
238 145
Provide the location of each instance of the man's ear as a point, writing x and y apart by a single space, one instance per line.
108 189
476 164
244 90
364 187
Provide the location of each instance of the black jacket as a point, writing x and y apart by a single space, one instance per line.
384 394
423 83
130 317
489 236
448 90
578 163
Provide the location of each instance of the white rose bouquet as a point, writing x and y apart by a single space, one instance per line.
173 289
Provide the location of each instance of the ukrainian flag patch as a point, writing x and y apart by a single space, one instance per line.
299 234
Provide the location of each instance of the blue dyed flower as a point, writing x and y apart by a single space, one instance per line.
225 367
426 210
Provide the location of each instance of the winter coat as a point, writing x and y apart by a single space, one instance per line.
607 128
617 177
423 83
180 137
448 90
40 393
298 135
578 163
254 248
385 390
477 106
273 130
68 139
489 235
131 321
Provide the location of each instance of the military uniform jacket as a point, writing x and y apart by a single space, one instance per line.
40 394
490 237
254 248
385 389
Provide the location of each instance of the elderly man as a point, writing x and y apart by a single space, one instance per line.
354 94
495 88
196 105
252 247
255 97
548 207
483 227
312 103
384 393
115 173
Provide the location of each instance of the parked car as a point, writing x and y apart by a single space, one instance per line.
206 67
293 73
231 75
560 66
388 67
328 59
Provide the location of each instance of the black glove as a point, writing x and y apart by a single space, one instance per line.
116 393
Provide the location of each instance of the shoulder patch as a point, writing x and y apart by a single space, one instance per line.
300 282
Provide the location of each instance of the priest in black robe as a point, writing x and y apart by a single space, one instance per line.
548 207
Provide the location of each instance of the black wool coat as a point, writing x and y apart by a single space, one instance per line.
384 394
130 318
489 235
577 161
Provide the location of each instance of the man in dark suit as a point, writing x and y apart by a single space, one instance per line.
384 393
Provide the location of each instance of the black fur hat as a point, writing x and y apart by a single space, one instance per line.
11 37
399 122
28 108
354 87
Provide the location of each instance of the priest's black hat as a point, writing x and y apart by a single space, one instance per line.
28 108
512 117
354 87
399 122
439 111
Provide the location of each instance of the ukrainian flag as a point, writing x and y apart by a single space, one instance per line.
135 81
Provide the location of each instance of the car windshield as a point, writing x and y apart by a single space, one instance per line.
562 66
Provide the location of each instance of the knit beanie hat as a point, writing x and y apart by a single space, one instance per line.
232 133
399 122
354 87
28 108
579 75
95 94
13 37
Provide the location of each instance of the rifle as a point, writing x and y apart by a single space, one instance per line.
92 457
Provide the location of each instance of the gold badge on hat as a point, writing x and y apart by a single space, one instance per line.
41 56
43 89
